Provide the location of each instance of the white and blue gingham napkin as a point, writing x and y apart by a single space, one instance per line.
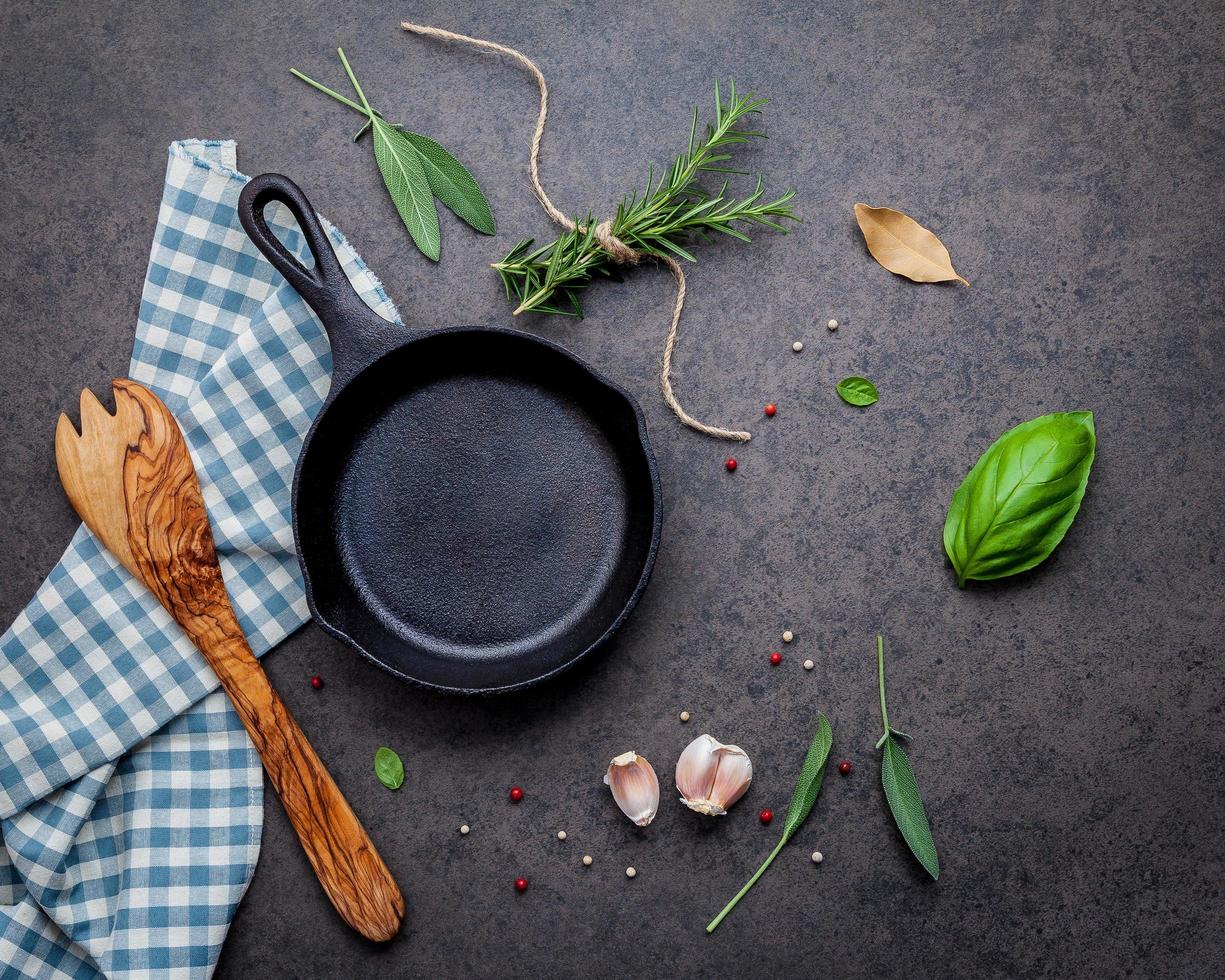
130 796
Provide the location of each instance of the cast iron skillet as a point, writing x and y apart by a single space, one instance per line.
474 508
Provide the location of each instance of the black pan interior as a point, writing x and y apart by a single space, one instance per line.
477 510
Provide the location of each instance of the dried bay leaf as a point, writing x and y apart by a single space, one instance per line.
905 247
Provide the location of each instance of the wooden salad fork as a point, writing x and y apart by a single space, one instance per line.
131 479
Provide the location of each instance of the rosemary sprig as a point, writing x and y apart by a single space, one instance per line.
658 222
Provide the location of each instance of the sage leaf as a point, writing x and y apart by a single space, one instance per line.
902 792
1017 503
811 777
451 183
903 246
807 787
389 768
415 169
857 391
403 173
897 778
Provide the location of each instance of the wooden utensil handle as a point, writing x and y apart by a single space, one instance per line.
131 478
342 854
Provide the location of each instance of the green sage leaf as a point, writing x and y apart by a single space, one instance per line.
902 792
415 170
404 174
451 183
808 786
812 774
389 768
1017 503
857 391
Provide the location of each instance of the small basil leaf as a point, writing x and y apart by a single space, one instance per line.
902 792
451 183
389 768
808 786
1017 503
857 391
404 175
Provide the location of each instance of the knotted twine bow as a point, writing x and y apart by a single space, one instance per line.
617 250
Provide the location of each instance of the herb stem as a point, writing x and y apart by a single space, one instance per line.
530 302
714 923
327 91
880 669
353 80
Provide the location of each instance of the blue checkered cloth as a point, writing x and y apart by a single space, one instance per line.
131 799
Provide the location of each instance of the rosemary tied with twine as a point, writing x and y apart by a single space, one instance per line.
651 225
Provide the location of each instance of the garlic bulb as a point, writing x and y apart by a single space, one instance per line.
712 776
634 786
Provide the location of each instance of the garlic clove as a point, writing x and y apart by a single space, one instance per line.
695 769
634 786
733 777
712 776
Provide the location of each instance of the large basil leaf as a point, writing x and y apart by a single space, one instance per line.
1019 500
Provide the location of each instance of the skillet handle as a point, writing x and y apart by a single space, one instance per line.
357 334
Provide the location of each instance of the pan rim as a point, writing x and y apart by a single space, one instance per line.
648 563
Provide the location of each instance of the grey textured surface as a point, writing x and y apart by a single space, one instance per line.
1068 723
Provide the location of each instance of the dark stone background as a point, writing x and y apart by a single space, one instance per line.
1068 723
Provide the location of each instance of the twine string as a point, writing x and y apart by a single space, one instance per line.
617 250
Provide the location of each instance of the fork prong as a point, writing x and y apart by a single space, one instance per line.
64 429
138 410
93 414
66 437
67 453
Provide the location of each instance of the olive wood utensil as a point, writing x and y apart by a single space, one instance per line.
131 479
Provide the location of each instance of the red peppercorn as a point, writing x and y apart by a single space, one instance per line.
731 464
516 794
770 410
520 884
316 682
765 816
776 659
844 767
